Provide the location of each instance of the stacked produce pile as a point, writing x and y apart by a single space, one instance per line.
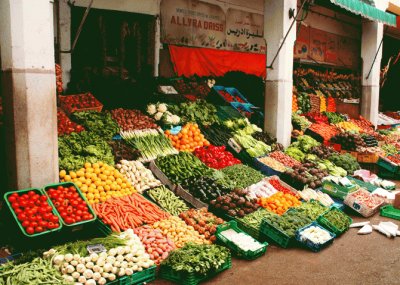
311 194
132 120
72 103
331 106
345 161
268 139
317 117
253 147
324 130
188 139
254 220
167 200
348 126
99 123
59 82
160 112
279 202
395 158
272 163
311 210
335 118
238 176
122 151
65 126
284 159
322 151
260 189
150 143
216 134
216 157
349 141
300 122
306 174
204 188
289 222
200 112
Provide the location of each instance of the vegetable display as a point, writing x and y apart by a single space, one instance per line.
345 161
150 143
284 159
99 182
234 204
181 166
167 200
307 174
334 118
389 149
295 153
323 151
188 139
279 202
204 188
200 112
288 223
77 149
202 221
98 268
242 240
38 271
310 194
260 189
255 219
69 204
324 130
179 232
122 151
216 134
65 126
300 122
338 219
76 102
348 126
155 243
276 183
128 212
315 234
311 209
349 141
216 157
252 146
138 175
199 259
97 122
33 212
239 176
161 113
306 143
272 163
132 120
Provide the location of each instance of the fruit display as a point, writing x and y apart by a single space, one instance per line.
181 166
235 204
179 232
253 147
289 222
284 159
140 177
203 222
73 103
188 139
331 105
279 203
155 243
239 176
132 120
317 117
303 102
272 163
323 151
306 174
99 123
216 157
309 194
204 188
65 126
167 200
78 148
311 209
349 141
69 204
335 118
345 161
150 143
33 211
300 122
122 151
322 104
98 182
348 126
129 212
395 158
295 106
324 130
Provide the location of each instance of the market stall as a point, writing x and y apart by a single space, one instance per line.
141 189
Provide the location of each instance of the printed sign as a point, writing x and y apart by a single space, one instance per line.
331 53
317 44
302 45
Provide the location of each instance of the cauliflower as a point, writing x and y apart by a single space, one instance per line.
158 116
162 108
151 109
175 119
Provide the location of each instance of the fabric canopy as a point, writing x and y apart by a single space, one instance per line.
188 61
367 11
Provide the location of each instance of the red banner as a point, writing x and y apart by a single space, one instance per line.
211 62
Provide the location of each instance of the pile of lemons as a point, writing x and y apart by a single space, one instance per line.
99 182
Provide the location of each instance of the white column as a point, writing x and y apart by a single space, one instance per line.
65 41
372 33
278 89
29 90
157 46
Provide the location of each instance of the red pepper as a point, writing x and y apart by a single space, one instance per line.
216 156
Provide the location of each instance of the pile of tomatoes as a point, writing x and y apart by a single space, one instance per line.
216 156
66 126
82 101
69 204
33 212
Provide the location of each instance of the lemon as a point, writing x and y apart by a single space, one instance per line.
72 174
96 165
67 178
63 173
88 164
100 163
80 173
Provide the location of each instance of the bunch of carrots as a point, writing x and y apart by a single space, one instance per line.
128 212
188 139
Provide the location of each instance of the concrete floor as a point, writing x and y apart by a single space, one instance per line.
351 259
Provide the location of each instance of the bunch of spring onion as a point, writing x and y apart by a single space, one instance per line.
151 143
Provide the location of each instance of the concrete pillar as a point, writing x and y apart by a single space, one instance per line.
372 33
279 84
65 41
29 90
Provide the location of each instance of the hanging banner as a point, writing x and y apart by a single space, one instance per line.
331 53
245 31
302 45
348 52
317 44
192 23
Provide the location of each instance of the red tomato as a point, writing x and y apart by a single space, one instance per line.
30 230
31 193
12 199
25 224
39 229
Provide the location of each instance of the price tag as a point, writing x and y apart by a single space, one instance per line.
96 248
233 144
175 130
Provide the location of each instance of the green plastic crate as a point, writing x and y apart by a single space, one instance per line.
311 245
329 226
186 278
337 191
103 228
390 212
245 254
40 192
388 165
370 187
140 277
252 231
78 225
276 235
